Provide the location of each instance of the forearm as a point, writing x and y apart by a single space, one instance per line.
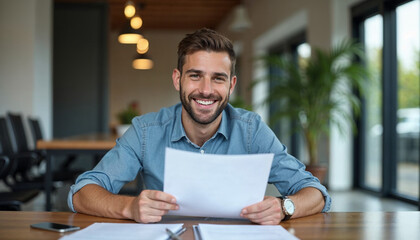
308 201
95 200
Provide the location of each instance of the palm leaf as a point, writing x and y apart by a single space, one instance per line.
317 95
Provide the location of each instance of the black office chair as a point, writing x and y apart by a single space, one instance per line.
6 148
64 173
28 160
18 177
36 131
10 200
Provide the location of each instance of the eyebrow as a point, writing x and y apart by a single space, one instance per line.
201 72
221 74
193 71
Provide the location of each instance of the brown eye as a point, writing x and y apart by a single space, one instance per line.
194 76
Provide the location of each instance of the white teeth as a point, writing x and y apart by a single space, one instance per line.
204 102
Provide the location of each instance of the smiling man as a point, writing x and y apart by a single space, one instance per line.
203 122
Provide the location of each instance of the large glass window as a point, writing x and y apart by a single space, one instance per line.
373 108
387 145
407 18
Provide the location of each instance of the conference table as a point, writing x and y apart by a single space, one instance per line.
334 225
96 144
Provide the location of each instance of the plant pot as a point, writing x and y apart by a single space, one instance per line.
319 172
122 128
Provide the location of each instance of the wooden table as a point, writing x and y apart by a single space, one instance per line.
96 141
336 225
96 144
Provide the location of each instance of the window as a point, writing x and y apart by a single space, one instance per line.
373 36
387 145
287 130
408 113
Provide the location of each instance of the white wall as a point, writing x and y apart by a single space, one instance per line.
25 59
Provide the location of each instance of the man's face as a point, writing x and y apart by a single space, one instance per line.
205 85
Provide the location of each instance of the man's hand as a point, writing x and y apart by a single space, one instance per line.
267 212
151 205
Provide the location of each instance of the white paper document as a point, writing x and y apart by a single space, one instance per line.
209 185
126 231
242 232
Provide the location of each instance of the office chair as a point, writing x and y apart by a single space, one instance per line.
64 173
36 131
18 177
10 200
27 159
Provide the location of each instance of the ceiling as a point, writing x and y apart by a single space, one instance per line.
168 14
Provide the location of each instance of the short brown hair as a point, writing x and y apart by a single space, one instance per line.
207 40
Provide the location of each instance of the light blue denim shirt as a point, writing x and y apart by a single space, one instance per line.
142 148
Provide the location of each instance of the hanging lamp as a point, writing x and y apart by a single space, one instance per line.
142 46
142 62
129 9
241 20
129 35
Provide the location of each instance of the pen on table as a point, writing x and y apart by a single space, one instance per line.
174 236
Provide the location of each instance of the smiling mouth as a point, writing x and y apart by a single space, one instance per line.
205 102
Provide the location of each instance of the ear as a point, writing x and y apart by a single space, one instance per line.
232 84
176 77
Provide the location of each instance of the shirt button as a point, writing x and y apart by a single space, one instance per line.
202 151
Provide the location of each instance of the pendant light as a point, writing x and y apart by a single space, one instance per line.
129 9
241 20
142 62
136 22
129 35
142 46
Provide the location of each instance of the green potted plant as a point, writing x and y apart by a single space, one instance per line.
125 117
319 94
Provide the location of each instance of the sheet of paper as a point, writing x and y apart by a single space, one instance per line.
209 185
243 232
126 231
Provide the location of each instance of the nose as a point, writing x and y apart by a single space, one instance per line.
206 88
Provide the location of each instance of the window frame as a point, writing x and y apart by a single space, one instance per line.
360 12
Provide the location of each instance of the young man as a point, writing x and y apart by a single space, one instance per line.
203 122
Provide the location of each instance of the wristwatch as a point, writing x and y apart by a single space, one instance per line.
288 207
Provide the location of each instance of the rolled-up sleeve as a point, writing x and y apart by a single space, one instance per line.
289 176
287 173
119 166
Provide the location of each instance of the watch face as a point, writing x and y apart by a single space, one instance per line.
289 206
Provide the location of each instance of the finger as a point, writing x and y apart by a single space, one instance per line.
267 210
271 212
153 212
161 196
256 208
272 222
265 217
149 219
163 205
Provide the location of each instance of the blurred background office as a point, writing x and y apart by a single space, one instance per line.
62 62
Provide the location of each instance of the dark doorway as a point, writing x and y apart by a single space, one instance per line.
80 86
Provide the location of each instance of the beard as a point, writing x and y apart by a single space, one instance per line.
187 100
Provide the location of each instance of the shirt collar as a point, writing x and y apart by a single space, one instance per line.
179 131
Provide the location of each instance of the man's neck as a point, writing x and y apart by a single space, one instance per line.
199 133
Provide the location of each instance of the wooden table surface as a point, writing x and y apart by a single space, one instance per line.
335 225
90 141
